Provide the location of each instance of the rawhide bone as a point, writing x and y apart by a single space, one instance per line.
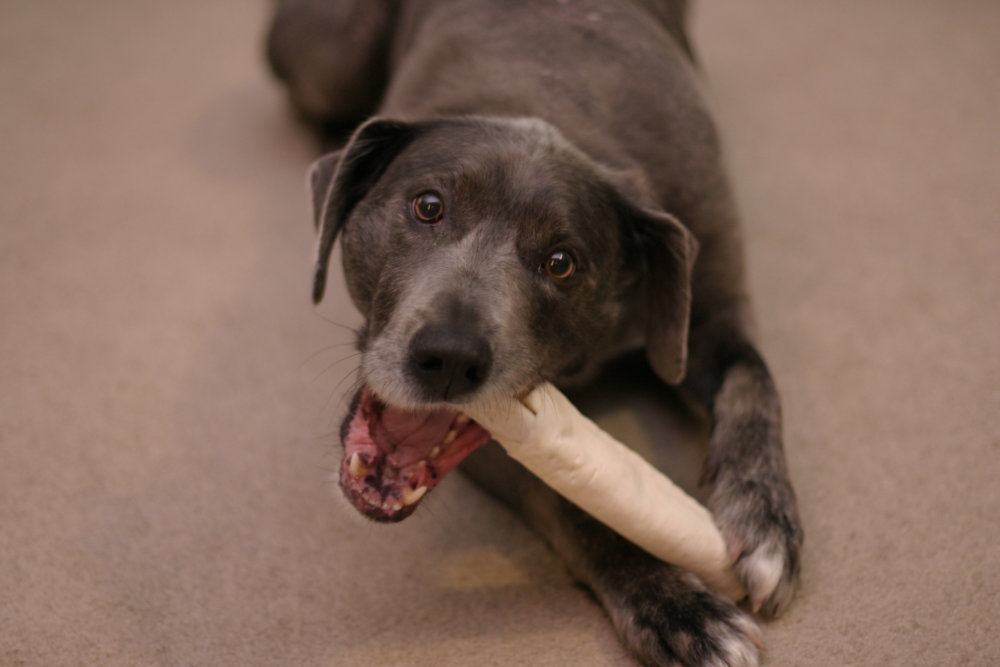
573 455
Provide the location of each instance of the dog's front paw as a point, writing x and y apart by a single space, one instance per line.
760 523
669 617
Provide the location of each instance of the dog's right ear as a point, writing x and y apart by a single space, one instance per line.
341 179
319 178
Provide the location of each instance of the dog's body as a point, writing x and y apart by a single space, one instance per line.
527 204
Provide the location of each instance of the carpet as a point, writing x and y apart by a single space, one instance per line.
169 399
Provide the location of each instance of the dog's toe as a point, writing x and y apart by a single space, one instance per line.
765 537
674 619
763 572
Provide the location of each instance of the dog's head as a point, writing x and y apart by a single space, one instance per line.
486 256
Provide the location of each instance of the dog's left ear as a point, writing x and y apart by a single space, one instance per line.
341 179
667 250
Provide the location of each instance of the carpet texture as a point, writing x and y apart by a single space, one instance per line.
169 399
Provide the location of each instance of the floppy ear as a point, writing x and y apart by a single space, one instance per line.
340 180
669 251
318 179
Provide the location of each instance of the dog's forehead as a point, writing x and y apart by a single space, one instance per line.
520 172
512 153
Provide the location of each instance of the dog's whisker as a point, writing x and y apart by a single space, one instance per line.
325 436
323 350
340 325
358 383
336 363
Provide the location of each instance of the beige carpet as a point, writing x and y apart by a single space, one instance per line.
168 397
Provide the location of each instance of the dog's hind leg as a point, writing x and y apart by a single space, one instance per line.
332 55
664 615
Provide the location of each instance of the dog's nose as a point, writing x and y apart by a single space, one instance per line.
448 362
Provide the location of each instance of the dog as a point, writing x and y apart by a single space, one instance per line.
531 189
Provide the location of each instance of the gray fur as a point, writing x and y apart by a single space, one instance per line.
548 123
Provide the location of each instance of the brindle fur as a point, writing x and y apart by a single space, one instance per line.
548 117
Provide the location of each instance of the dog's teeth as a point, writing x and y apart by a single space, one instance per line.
450 438
357 468
435 452
422 463
461 420
410 496
389 505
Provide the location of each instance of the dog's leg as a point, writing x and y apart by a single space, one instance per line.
664 615
752 499
333 56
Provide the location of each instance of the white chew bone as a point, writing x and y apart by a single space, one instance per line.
574 456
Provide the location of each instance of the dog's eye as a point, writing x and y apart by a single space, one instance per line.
560 265
428 208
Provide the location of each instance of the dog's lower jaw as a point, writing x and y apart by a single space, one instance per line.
393 457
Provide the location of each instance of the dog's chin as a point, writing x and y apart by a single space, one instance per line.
394 456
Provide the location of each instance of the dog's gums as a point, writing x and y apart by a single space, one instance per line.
393 457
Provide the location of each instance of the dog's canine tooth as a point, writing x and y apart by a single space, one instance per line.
461 420
450 438
411 496
357 468
435 452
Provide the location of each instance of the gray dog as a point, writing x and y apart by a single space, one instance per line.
523 199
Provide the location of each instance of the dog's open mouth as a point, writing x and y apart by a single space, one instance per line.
393 457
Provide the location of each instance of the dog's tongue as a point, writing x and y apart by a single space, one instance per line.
408 437
393 457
